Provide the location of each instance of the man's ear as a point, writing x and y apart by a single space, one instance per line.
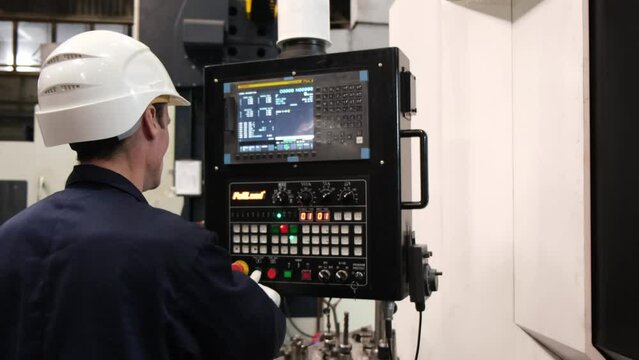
150 125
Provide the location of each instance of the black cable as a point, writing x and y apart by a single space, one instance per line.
287 313
298 329
419 334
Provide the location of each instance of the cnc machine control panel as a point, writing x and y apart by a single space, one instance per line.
306 232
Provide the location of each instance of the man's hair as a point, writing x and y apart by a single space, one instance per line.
106 148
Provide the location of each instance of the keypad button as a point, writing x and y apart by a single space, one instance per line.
306 250
237 249
263 229
254 239
315 239
357 216
263 239
348 216
236 228
245 228
275 239
345 251
236 239
254 228
246 238
283 239
334 229
345 229
315 229
275 250
263 249
335 240
306 229
292 239
326 240
357 240
357 251
326 229
335 250
337 216
316 250
245 249
293 250
306 239
255 249
344 240
357 229
326 250
284 250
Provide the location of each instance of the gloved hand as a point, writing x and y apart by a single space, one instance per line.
256 275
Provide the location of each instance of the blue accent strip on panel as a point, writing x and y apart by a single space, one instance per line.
363 75
227 88
365 153
293 159
227 159
288 78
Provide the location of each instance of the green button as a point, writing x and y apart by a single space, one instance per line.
288 274
292 229
292 239
275 229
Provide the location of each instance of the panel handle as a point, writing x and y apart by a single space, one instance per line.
423 168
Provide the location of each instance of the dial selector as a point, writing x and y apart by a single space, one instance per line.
347 196
324 275
305 197
341 276
326 196
280 197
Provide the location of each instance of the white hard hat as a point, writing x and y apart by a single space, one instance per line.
96 85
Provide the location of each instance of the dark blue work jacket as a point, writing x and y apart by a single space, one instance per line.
95 272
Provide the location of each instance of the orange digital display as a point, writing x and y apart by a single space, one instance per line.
323 216
306 216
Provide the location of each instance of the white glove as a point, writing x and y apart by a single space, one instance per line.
256 275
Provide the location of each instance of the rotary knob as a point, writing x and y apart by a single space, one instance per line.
347 196
341 276
305 197
324 275
326 196
359 276
280 198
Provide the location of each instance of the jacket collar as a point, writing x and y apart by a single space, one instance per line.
99 175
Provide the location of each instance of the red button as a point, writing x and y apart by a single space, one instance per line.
306 275
284 229
271 273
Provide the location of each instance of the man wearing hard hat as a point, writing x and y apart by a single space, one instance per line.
95 272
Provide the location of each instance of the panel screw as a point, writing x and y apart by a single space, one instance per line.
379 65
293 73
381 162
216 168
215 80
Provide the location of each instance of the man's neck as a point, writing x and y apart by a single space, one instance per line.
124 168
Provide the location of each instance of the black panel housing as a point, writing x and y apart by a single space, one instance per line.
389 227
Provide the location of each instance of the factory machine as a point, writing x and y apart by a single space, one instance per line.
308 175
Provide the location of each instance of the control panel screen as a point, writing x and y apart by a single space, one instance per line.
303 118
275 116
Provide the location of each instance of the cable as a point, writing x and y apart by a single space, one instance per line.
298 329
287 313
419 334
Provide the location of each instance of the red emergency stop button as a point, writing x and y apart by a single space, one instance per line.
240 266
271 273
